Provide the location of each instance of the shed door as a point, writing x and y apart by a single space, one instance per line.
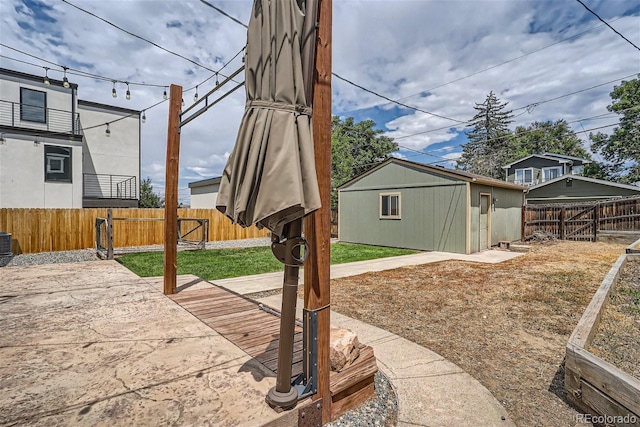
484 221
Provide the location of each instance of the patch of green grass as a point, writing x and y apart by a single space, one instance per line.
225 263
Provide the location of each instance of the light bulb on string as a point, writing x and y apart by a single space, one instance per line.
107 131
113 91
46 76
65 80
164 94
183 102
144 117
195 97
217 82
128 95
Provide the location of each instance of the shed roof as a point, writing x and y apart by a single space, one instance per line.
205 182
439 170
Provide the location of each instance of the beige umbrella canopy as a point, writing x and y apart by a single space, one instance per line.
270 177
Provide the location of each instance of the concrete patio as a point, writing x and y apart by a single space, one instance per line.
93 344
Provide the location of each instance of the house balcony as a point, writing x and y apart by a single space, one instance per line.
109 191
40 120
526 183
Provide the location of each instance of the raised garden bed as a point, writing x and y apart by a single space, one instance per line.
593 384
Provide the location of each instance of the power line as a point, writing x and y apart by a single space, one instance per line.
141 38
217 9
607 24
528 106
503 63
394 101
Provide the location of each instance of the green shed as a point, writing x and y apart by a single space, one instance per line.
416 206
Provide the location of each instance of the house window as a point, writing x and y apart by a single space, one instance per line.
33 105
389 205
551 173
577 170
57 164
524 176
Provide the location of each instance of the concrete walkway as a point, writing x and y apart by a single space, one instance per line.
269 281
431 390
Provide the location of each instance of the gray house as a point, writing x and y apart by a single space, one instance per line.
204 193
411 205
538 168
576 189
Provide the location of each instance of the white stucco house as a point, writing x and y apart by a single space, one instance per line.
204 193
55 151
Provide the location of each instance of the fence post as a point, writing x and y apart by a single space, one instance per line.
596 221
561 230
523 223
109 234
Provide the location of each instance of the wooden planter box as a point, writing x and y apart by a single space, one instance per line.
594 385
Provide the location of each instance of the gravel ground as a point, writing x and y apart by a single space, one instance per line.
381 410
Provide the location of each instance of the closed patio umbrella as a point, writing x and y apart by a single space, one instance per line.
270 177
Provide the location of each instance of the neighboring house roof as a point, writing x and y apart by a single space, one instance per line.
540 156
452 173
99 106
584 178
564 156
560 158
205 182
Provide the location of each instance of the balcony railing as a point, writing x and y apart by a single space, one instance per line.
58 121
526 183
101 186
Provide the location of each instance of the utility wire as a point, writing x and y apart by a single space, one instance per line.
394 101
141 38
217 9
607 24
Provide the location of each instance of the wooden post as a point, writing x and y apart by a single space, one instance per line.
523 224
561 221
109 234
318 225
171 192
596 221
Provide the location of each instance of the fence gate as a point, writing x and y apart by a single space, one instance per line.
579 223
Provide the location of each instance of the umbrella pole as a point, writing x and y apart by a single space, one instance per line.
283 395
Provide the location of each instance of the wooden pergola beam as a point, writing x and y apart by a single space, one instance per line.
318 225
171 192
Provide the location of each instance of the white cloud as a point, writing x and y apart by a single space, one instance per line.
397 48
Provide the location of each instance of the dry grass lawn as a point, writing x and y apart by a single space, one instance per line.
505 324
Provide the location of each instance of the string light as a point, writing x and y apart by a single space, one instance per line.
113 91
183 102
65 80
128 96
35 141
164 94
107 132
217 82
195 97
144 117
46 76
2 140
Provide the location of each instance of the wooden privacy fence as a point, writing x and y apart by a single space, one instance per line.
581 221
45 230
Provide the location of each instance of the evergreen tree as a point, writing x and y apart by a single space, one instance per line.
489 142
149 199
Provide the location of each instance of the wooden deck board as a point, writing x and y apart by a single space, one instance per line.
257 332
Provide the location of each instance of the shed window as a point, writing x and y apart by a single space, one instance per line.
57 164
551 173
389 205
33 105
524 176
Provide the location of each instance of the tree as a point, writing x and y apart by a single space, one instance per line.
355 148
488 145
622 147
149 199
546 137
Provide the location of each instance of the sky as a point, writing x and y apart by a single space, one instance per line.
549 60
